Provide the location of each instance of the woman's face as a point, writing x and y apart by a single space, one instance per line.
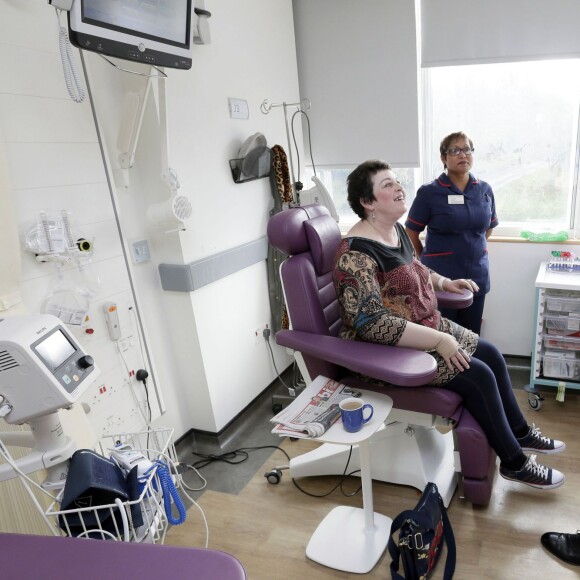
389 195
461 163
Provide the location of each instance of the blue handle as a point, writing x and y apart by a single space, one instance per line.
367 406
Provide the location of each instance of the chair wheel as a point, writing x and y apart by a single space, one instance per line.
535 401
273 476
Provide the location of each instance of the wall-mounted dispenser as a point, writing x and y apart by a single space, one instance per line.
170 214
253 159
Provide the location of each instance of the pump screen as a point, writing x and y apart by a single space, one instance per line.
55 349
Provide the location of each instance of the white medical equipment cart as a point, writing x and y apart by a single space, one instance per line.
556 344
155 445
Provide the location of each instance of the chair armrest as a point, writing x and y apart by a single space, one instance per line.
405 367
452 300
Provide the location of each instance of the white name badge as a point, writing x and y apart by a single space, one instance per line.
455 199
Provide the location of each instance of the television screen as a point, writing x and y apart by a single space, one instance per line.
156 32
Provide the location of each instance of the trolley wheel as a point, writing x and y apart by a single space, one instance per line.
535 401
276 408
273 476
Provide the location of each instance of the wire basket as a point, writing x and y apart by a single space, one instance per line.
140 520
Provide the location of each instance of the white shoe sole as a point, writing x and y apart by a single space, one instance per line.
545 451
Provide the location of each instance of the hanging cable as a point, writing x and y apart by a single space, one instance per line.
69 68
275 367
300 111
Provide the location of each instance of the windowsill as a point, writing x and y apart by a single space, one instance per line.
511 240
516 240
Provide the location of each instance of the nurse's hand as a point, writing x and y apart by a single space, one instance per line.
457 286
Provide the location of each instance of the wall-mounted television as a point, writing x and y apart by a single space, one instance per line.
156 32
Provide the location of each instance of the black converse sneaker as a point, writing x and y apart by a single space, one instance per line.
535 441
534 475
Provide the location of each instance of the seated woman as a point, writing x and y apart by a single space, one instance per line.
387 296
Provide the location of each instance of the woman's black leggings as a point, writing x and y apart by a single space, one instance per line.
487 393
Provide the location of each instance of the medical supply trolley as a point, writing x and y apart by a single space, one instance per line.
556 345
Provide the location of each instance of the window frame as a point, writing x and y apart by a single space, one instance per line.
511 229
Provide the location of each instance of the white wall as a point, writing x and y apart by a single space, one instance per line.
55 163
211 366
511 304
205 360
204 357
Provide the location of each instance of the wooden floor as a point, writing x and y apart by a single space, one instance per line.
267 527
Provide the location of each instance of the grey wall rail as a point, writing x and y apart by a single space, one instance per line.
189 277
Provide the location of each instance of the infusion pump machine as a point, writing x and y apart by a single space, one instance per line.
42 369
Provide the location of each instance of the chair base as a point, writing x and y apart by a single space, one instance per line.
400 453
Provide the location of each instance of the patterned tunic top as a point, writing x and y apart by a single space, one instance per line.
380 288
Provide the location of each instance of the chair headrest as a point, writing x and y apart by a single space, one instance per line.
286 229
306 228
324 238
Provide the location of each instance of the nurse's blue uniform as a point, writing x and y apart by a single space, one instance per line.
456 246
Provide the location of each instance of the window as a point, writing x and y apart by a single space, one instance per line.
523 119
335 181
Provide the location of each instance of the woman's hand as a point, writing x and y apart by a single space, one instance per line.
457 286
455 357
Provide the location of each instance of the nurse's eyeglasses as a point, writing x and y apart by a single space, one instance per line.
455 151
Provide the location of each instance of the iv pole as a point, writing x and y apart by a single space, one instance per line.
303 105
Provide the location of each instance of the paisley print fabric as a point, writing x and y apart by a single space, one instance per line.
380 288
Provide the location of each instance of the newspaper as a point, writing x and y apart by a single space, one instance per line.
313 412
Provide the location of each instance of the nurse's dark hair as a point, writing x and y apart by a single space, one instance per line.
446 141
360 184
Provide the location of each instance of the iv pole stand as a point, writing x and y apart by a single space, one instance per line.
303 105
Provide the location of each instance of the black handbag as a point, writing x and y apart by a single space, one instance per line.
423 531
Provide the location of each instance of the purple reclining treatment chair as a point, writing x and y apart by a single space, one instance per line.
410 450
32 556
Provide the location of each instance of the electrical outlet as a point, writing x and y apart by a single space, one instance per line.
238 108
259 333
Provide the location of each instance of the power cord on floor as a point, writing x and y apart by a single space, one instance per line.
183 468
240 455
231 457
338 485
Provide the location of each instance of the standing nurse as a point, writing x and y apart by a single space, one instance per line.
458 211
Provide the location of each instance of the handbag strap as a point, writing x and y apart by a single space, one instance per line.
425 521
451 548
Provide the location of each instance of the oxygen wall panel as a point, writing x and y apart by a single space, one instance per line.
32 72
74 198
55 164
34 119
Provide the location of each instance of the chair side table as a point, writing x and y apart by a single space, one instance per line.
350 538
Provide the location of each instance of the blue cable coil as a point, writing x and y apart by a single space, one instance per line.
169 493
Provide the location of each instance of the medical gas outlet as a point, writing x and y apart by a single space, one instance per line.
112 319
